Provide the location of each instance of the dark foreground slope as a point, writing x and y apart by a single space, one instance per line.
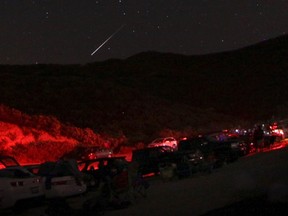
253 185
256 206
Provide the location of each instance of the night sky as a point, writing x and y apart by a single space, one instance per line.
68 31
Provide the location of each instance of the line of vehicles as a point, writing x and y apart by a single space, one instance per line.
32 184
199 153
195 153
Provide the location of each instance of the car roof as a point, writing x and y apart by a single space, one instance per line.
148 149
163 138
101 159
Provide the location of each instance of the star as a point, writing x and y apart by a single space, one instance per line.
153 25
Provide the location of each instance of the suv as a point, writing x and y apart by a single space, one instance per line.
167 141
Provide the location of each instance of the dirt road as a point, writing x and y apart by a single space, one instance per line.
262 173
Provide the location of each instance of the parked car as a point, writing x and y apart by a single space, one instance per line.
149 159
239 142
97 152
219 151
167 141
60 179
88 153
18 187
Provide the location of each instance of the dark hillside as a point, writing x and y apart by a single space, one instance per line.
151 92
243 82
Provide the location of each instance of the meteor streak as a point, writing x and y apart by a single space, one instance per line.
108 39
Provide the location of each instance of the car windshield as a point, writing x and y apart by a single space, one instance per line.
160 140
8 162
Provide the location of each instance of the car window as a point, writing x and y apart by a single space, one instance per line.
81 166
158 141
10 173
8 162
170 139
94 166
34 170
6 173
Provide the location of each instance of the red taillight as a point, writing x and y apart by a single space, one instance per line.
17 183
59 183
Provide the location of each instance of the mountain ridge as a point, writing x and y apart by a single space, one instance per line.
152 92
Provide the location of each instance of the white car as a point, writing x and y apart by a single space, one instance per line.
168 141
18 185
59 181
